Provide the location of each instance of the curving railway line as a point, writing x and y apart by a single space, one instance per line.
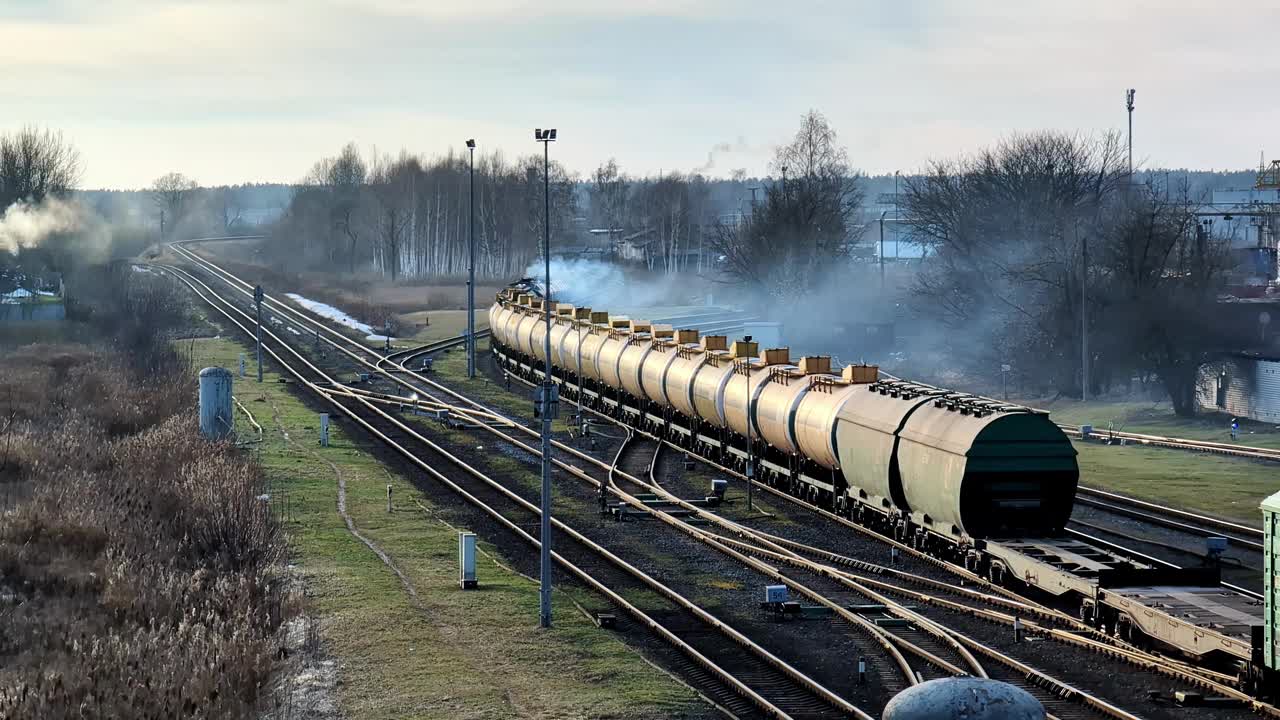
829 578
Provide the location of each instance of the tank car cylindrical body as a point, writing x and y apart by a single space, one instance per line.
559 329
866 440
653 371
677 386
742 389
708 388
523 328
776 406
498 313
573 334
537 339
815 419
591 344
980 473
632 360
609 356
511 326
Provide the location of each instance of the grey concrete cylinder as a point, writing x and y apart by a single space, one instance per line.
963 697
216 419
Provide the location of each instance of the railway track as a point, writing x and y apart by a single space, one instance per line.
1080 636
1205 446
780 553
754 682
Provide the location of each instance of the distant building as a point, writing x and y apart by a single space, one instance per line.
1242 386
1250 220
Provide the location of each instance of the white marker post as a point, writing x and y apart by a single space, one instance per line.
467 560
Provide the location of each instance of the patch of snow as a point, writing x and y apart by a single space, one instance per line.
142 269
290 329
377 338
46 293
330 312
19 293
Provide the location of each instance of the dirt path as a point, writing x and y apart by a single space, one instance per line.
342 509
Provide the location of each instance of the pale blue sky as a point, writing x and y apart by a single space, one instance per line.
236 91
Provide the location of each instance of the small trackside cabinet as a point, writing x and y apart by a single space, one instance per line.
1271 581
467 560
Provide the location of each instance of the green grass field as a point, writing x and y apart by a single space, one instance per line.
1225 486
453 654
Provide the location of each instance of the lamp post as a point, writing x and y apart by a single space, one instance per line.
546 137
471 267
1128 103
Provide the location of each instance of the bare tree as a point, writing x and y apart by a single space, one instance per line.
173 194
1005 231
1159 272
228 204
392 186
801 230
34 164
609 192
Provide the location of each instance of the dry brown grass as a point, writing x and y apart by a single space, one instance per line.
138 568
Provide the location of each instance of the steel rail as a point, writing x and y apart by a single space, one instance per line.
670 594
1063 689
1099 642
1208 446
852 618
1159 663
1226 525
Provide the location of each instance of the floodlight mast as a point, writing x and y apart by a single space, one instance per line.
547 401
471 266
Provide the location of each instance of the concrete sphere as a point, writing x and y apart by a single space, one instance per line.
963 698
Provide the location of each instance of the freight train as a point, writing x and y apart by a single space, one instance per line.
982 483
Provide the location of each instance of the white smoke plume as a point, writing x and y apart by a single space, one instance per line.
604 285
28 225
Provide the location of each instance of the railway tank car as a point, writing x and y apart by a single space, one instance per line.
926 463
972 480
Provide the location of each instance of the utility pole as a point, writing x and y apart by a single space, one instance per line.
546 137
751 456
897 228
882 252
258 295
1128 102
1084 319
471 268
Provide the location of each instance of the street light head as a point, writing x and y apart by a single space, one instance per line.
471 144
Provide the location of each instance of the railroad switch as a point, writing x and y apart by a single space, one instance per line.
783 610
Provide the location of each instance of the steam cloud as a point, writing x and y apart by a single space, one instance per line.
721 148
27 225
603 285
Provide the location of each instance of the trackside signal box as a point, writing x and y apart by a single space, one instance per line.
467 560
